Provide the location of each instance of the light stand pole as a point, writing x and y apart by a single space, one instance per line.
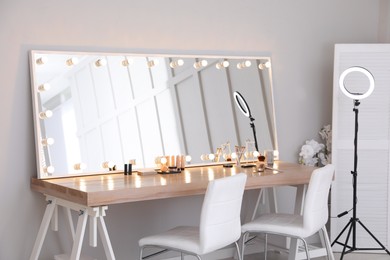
354 219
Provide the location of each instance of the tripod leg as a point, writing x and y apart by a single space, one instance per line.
342 231
346 240
372 235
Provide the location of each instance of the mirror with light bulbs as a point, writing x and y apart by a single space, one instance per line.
95 112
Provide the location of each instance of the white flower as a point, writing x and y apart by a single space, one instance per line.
317 147
313 153
310 161
307 151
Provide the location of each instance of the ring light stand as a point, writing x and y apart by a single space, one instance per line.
354 219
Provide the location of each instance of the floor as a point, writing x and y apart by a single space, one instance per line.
352 256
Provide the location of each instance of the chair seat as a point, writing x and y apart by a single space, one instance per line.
278 223
184 238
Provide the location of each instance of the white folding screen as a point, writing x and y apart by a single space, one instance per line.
373 182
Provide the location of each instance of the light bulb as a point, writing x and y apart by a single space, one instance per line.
234 155
200 64
44 87
265 65
47 141
221 65
72 61
46 114
188 158
48 169
211 156
176 63
79 166
42 60
100 63
244 64
256 154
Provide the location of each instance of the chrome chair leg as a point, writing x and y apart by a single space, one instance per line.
266 246
327 243
306 248
141 253
244 237
238 250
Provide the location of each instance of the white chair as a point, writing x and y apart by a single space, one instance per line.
313 220
220 223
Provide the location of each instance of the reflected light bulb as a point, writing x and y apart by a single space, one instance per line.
46 114
72 61
163 160
152 63
276 155
42 60
127 62
47 141
79 166
100 63
44 87
234 156
107 164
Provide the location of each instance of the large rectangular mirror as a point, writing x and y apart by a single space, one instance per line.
96 110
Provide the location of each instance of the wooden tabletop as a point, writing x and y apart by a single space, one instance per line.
98 190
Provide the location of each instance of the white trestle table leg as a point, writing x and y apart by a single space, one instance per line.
43 229
104 236
80 230
96 216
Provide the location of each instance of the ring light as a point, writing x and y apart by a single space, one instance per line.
356 96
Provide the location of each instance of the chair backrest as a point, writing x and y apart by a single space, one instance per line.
315 211
220 222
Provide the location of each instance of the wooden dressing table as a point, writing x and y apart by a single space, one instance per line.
91 195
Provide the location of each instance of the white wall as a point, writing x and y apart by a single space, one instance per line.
299 34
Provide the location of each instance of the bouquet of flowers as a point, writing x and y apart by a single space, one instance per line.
317 154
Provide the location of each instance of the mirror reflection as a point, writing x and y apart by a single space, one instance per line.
98 111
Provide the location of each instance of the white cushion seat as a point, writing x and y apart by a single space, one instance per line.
183 238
